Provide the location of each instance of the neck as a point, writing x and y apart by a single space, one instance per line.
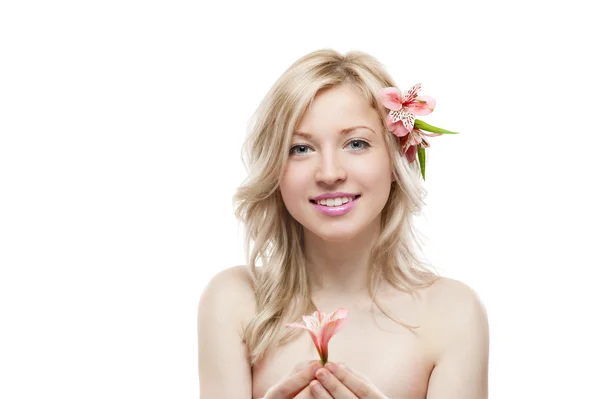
339 269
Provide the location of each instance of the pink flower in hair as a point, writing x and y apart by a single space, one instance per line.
322 327
409 143
402 123
403 108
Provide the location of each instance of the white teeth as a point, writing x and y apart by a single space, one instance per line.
334 201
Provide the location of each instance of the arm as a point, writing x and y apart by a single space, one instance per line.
461 371
224 368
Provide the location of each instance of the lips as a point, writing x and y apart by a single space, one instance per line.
336 210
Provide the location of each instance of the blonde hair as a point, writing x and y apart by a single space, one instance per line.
276 239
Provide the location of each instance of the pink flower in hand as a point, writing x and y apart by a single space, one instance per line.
403 108
322 327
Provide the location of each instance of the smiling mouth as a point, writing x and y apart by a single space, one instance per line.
353 199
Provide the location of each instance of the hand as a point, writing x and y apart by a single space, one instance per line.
337 382
296 384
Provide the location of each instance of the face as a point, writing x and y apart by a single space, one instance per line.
337 157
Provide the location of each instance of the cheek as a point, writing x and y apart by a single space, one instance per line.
293 183
374 171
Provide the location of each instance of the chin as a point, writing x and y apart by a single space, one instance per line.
333 234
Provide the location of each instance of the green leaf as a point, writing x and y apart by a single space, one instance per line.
419 124
421 154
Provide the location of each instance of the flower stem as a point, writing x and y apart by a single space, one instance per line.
419 124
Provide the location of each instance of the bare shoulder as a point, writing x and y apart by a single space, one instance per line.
235 286
236 275
447 293
223 363
461 342
453 306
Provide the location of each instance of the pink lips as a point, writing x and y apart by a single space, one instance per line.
336 210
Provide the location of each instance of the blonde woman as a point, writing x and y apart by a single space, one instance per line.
328 210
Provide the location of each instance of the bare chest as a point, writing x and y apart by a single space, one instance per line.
397 360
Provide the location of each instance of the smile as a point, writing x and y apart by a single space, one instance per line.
336 210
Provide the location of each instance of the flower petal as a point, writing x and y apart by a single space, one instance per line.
341 313
419 136
412 93
411 153
407 118
424 133
414 139
395 125
311 322
422 105
399 130
298 325
317 343
395 116
320 317
391 98
322 327
328 331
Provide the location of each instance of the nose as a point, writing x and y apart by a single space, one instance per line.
330 169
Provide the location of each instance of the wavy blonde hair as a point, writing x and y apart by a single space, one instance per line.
273 237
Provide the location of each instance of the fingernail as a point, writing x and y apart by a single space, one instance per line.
322 376
330 367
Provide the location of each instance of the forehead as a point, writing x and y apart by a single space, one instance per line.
337 108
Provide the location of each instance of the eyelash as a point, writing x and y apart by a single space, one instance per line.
366 145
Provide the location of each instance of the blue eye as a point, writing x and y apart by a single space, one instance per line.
364 146
297 146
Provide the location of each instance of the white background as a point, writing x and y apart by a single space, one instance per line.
121 127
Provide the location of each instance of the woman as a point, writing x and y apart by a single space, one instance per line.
333 185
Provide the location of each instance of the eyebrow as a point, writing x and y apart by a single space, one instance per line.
343 131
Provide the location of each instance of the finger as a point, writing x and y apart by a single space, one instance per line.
294 383
303 365
334 388
318 391
356 373
361 387
304 394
